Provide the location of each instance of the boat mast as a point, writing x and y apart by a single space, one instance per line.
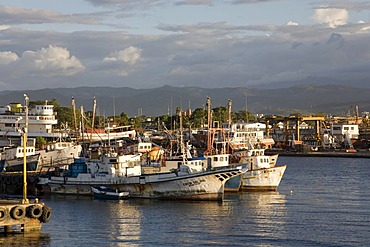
209 125
82 124
93 120
229 107
75 118
182 139
25 130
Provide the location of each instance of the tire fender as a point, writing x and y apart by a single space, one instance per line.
46 214
3 213
34 211
18 212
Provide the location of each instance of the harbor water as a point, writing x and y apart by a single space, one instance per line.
320 202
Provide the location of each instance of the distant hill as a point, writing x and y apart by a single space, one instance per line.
306 98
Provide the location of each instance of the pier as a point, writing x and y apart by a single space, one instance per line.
18 216
22 215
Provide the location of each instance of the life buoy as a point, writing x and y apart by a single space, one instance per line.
34 211
18 212
3 213
46 214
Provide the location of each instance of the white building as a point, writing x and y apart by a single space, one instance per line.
345 130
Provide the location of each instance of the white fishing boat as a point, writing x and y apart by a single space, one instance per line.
59 153
262 174
124 173
55 154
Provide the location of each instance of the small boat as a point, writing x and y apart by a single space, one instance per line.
102 192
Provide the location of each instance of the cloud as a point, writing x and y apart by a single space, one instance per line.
130 55
196 52
47 62
15 15
129 4
292 23
122 61
7 57
4 27
194 2
331 16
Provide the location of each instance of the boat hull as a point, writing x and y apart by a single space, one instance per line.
263 179
234 184
198 186
16 165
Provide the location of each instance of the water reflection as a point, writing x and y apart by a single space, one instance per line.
242 216
262 215
33 239
125 223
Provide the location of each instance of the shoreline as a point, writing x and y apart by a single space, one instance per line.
339 154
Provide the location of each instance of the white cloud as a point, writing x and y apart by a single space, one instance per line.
292 23
4 27
130 55
333 17
51 61
7 57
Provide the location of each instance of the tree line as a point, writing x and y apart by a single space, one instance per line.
197 118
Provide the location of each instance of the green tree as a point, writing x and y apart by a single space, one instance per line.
40 142
123 119
64 116
243 116
198 118
136 122
220 114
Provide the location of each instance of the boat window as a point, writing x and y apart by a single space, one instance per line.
221 158
215 159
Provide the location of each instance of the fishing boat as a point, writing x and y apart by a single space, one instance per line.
262 174
55 154
124 173
217 154
11 159
102 192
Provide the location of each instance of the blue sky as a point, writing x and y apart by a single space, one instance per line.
206 43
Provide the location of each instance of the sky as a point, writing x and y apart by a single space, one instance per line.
203 43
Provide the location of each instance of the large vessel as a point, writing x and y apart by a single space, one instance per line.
241 135
41 119
124 173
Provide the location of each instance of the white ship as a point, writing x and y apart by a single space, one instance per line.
41 119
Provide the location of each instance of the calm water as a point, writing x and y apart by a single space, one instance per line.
320 202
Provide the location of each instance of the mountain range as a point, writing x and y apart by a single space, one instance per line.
305 98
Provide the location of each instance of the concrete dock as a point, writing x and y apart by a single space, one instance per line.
17 216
